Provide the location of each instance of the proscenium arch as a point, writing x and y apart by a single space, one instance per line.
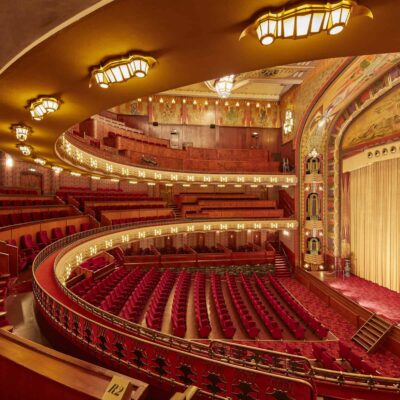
203 44
338 132
331 104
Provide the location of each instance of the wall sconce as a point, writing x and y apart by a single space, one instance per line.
21 131
304 20
43 106
121 70
73 173
57 169
40 161
25 149
9 161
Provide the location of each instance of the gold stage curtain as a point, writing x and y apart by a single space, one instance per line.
375 223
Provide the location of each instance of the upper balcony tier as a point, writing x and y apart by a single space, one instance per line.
124 152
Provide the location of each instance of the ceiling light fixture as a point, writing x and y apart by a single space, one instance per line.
121 70
43 106
25 149
40 161
304 20
21 131
224 86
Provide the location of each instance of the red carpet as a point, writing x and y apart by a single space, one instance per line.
382 301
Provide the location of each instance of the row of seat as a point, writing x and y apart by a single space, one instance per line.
269 321
228 329
102 288
94 263
356 361
320 330
244 315
145 140
26 217
27 202
200 305
5 190
179 305
159 300
118 296
28 248
115 207
141 219
294 326
133 308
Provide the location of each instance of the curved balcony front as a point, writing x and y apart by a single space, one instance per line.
93 160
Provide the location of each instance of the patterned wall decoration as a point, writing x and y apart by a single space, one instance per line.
205 111
165 112
355 77
134 107
200 113
380 120
299 98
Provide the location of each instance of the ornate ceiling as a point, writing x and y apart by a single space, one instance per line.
192 42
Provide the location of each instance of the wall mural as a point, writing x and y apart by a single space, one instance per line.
205 111
380 120
299 98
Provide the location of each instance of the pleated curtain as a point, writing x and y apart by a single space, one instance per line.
375 223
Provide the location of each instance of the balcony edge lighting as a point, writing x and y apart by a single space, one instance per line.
89 162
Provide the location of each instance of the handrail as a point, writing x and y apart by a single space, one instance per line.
256 355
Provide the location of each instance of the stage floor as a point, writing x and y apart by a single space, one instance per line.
375 298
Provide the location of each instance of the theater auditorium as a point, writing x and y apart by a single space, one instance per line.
199 199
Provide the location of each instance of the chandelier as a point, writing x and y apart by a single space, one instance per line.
121 69
42 106
21 131
40 161
223 86
304 20
25 149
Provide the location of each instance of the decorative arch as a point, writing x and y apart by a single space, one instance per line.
315 137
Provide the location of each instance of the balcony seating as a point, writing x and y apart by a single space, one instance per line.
26 217
94 263
83 286
70 230
155 313
42 239
23 261
28 247
200 305
244 315
85 226
133 308
115 300
325 358
57 234
143 219
294 326
224 317
179 305
320 330
355 360
103 287
269 322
